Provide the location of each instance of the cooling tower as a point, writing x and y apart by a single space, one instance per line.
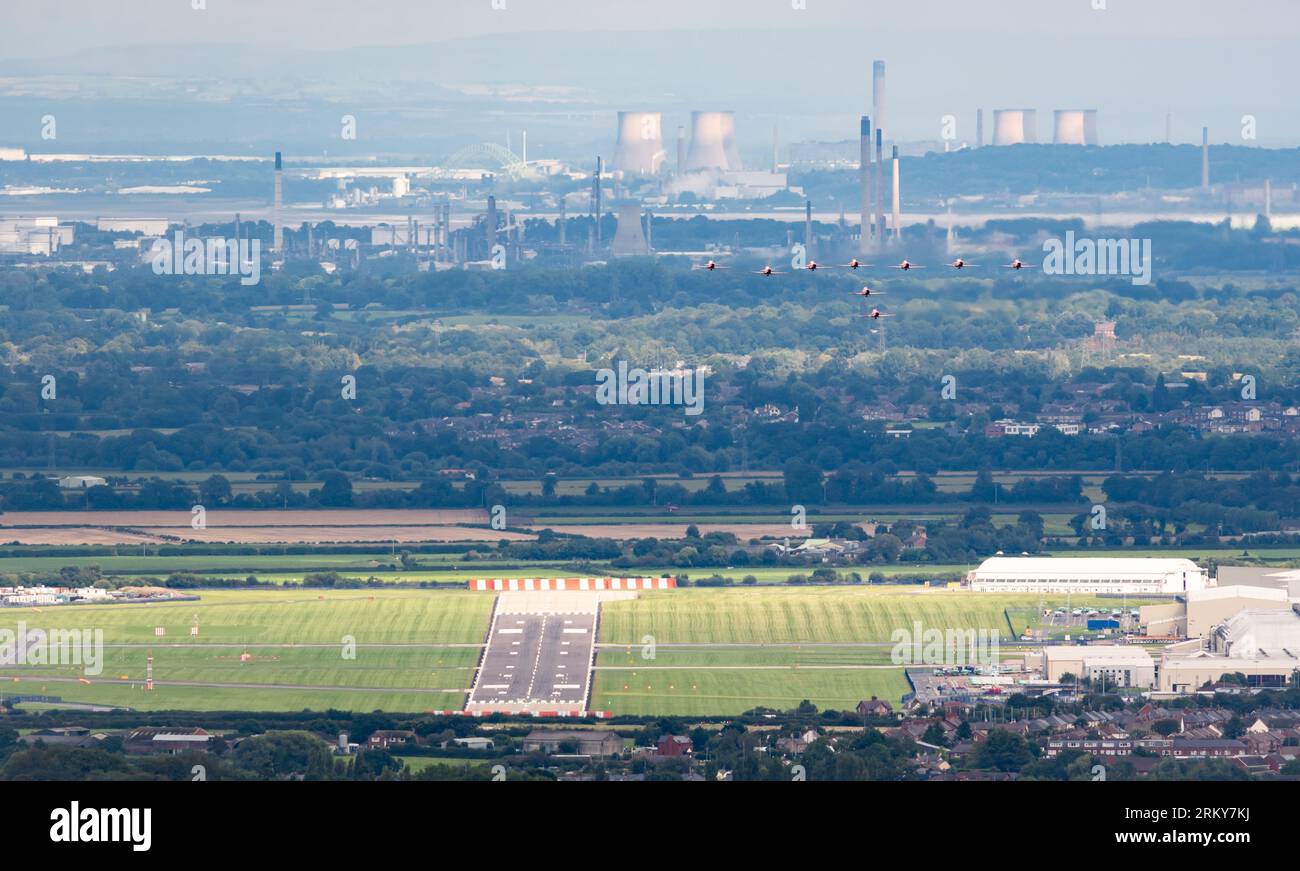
640 147
629 239
1074 127
713 142
1013 126
1090 127
729 142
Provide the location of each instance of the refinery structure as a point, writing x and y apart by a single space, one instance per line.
494 206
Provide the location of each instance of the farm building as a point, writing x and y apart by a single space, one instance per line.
153 740
386 739
1129 575
580 742
80 482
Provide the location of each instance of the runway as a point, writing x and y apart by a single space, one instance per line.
539 654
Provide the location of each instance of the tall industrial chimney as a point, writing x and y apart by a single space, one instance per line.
775 142
1205 159
490 223
807 229
600 172
878 113
681 150
277 240
897 226
864 171
564 218
446 228
880 188
979 128
878 94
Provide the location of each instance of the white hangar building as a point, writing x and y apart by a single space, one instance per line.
1131 575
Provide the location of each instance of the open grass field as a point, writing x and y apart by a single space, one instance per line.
420 763
278 673
790 643
806 614
305 526
282 649
704 692
282 616
169 698
386 668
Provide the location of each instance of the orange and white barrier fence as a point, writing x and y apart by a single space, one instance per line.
487 712
562 584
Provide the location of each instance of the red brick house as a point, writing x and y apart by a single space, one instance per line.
671 746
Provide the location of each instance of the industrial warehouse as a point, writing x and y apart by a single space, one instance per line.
1261 646
1246 634
1120 575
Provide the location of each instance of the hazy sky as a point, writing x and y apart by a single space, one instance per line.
1206 61
55 28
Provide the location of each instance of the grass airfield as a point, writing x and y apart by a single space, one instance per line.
416 649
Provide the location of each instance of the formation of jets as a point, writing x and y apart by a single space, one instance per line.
905 265
875 314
